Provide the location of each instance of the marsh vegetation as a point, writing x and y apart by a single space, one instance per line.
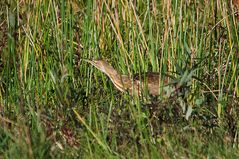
53 105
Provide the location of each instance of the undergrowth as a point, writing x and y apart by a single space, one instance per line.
54 105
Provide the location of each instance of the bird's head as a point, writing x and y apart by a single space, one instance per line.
103 66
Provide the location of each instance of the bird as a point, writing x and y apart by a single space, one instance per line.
124 83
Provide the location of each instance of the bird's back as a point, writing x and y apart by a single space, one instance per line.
152 79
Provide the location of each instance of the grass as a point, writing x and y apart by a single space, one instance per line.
54 105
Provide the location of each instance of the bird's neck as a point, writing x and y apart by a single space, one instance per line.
111 73
120 81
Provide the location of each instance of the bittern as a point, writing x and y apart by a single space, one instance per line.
125 84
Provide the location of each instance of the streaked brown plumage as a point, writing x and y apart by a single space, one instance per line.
236 7
125 83
235 3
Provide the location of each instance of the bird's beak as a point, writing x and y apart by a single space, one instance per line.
86 60
89 61
92 62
